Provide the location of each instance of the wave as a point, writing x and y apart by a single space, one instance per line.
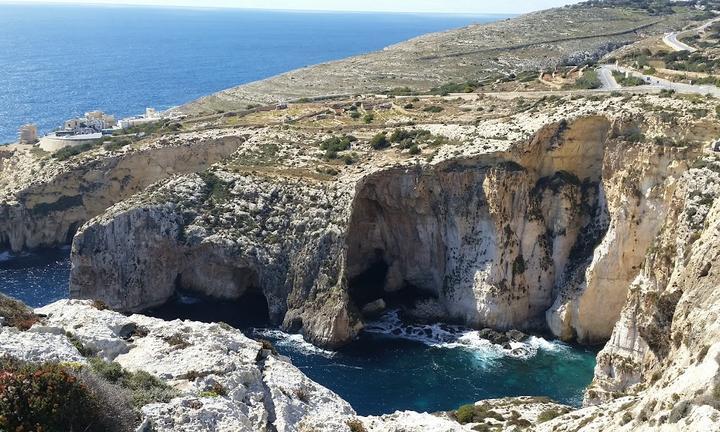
459 337
294 342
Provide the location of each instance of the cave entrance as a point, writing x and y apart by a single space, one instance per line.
371 285
249 310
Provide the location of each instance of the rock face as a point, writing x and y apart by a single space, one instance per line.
47 208
546 232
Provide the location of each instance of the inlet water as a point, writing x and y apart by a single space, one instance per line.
392 366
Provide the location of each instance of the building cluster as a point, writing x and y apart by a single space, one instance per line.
93 122
87 129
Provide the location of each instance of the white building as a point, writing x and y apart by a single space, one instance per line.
28 134
151 115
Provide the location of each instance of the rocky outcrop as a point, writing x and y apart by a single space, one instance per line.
260 390
43 201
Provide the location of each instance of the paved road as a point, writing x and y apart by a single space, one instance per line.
663 84
671 40
607 79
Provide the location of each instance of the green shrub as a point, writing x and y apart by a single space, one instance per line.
46 397
548 415
356 426
588 80
336 144
627 81
626 418
369 117
434 109
144 387
379 141
355 115
414 150
68 152
116 143
475 414
465 413
16 314
218 189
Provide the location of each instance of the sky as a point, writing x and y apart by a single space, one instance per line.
418 6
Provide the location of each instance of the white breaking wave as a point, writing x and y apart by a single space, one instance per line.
454 336
294 341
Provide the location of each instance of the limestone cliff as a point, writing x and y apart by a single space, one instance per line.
44 201
545 231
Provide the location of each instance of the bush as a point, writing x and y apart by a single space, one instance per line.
379 142
414 150
369 117
144 387
475 414
588 80
548 415
355 115
16 314
336 144
47 397
116 143
356 426
434 109
68 152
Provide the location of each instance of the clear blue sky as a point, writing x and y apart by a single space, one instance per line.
444 6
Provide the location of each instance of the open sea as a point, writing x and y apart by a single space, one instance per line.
58 62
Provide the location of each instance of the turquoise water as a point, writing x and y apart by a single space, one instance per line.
392 366
57 62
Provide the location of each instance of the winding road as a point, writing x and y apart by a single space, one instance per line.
671 39
652 82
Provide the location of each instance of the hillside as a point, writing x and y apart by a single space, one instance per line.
531 42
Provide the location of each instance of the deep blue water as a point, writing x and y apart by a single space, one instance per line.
393 366
36 278
57 62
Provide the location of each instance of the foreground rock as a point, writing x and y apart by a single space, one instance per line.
261 391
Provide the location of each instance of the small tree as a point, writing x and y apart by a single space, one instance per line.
379 141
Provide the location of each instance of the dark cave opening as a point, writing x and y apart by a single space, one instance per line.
250 310
369 285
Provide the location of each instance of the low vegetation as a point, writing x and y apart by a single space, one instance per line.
55 397
379 141
68 152
588 80
549 414
627 80
475 414
336 144
14 313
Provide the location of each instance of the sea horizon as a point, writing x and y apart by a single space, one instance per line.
115 68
